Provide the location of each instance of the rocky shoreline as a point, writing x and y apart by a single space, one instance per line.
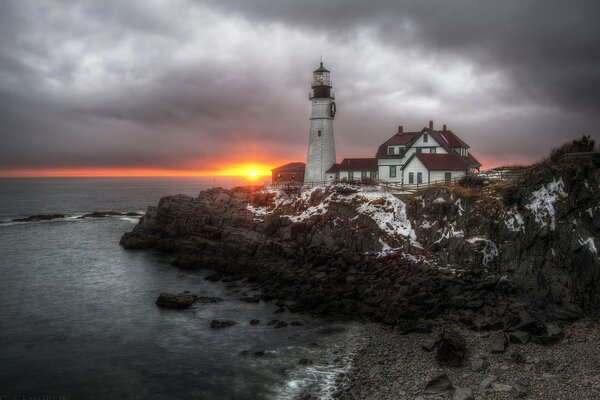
462 271
393 365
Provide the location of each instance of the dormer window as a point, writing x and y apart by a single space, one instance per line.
462 151
391 150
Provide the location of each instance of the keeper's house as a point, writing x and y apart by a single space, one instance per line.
425 156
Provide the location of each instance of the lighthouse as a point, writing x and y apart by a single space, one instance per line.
321 145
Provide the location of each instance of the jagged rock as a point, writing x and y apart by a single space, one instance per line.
519 388
487 382
498 343
462 394
305 361
520 337
528 323
438 384
429 344
217 324
281 324
104 214
500 387
479 364
40 217
254 322
553 335
178 301
451 349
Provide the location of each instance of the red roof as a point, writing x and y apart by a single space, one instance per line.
448 139
291 167
437 162
399 139
355 164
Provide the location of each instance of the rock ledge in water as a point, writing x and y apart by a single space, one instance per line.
177 301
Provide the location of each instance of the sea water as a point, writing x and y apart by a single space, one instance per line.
78 318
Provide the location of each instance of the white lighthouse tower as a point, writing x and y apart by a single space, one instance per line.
321 146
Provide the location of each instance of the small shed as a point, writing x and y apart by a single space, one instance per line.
291 173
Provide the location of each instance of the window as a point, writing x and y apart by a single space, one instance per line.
425 138
390 150
419 150
373 174
433 150
419 177
319 133
392 171
350 175
411 178
447 176
363 174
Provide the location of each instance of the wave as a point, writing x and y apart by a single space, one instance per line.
321 380
131 216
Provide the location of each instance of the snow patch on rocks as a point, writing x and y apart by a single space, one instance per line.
542 203
514 221
490 250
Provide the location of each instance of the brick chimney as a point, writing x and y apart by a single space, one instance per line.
430 125
400 129
444 128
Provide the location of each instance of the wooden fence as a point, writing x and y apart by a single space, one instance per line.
506 173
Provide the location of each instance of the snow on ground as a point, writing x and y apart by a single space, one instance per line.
542 203
320 208
385 209
450 232
459 205
589 243
490 251
514 221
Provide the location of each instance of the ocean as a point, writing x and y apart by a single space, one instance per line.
78 318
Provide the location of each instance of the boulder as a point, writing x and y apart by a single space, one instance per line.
220 324
177 301
41 217
479 364
438 384
519 388
498 343
486 383
462 394
519 337
451 349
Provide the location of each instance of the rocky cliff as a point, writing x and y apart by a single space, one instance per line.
480 255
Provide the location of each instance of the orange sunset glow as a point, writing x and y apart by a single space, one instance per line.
250 170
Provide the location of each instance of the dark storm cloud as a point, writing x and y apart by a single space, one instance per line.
183 83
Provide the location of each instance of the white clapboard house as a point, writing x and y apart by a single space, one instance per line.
411 158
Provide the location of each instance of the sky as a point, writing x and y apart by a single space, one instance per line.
151 87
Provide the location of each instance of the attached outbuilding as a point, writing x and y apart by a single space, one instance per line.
353 170
424 168
288 174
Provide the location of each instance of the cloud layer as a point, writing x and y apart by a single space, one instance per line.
191 85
